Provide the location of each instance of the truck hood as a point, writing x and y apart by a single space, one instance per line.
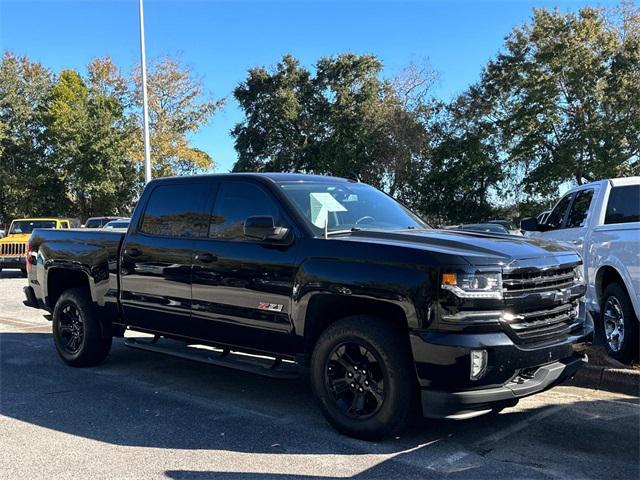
16 238
478 248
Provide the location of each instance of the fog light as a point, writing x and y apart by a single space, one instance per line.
478 363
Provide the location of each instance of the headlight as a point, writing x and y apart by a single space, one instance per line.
578 273
473 284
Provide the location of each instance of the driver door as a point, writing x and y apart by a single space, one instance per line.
569 220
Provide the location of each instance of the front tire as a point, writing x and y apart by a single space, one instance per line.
363 377
619 324
77 333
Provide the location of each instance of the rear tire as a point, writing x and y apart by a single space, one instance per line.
372 404
78 336
619 324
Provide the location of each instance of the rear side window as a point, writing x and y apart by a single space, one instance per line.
624 205
235 202
177 211
580 209
556 217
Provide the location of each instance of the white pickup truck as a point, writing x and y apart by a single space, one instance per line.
602 221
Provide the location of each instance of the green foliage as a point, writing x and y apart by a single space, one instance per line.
343 121
71 145
562 102
28 184
90 136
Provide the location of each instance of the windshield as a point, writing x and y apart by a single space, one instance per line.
117 225
95 222
346 206
487 227
27 226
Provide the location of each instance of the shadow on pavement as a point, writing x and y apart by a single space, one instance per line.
11 274
143 399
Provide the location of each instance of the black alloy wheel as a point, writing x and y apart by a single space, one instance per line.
355 378
71 329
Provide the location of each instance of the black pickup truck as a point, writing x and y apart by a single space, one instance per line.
287 273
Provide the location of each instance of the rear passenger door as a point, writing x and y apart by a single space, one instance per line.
156 259
242 288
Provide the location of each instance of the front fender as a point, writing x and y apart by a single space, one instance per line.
407 288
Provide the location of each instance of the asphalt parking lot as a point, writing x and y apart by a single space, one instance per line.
143 415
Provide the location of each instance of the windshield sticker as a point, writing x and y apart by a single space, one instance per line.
321 204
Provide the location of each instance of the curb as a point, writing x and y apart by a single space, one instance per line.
617 380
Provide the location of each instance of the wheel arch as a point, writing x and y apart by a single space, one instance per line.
325 309
61 279
608 274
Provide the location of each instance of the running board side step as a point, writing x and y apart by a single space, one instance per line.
265 366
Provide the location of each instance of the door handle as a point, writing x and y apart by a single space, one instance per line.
205 258
132 252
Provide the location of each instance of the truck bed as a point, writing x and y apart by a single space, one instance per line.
92 252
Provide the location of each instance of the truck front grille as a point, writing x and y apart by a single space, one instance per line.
13 248
544 307
544 325
538 280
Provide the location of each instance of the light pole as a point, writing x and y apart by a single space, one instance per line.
145 107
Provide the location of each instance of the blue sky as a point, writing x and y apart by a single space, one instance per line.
220 40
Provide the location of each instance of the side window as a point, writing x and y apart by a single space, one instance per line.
235 202
555 218
64 224
177 211
624 205
580 209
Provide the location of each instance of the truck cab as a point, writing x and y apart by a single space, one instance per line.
13 247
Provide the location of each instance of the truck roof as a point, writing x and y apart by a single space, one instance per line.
39 219
615 182
278 177
625 181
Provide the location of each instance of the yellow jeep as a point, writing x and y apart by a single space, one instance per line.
13 247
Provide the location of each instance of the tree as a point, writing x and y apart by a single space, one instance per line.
459 172
562 102
28 184
344 120
177 109
90 136
278 133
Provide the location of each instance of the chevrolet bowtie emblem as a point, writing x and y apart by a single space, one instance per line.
562 296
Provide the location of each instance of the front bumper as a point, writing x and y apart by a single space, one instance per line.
14 261
465 404
513 371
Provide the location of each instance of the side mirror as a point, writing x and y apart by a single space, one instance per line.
529 224
263 228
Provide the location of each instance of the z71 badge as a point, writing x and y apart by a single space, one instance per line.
272 307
